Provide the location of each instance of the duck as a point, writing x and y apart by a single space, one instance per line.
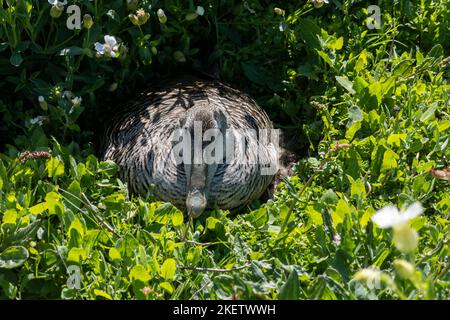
197 143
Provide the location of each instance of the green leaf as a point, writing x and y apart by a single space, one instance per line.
357 188
389 160
291 289
78 226
177 218
13 257
166 286
39 208
436 52
73 197
76 254
362 61
347 84
315 214
443 125
429 112
168 269
114 254
336 44
329 197
55 167
16 59
139 273
258 218
54 203
252 73
10 217
326 58
103 294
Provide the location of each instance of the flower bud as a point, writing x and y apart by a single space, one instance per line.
161 16
404 269
154 50
142 16
56 10
319 3
76 102
43 103
200 10
279 11
134 19
405 238
366 274
88 21
113 87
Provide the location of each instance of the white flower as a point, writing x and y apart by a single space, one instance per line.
39 120
200 11
68 94
390 216
76 101
109 48
43 103
161 16
405 238
319 3
57 2
371 276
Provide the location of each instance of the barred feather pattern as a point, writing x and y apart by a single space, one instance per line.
139 140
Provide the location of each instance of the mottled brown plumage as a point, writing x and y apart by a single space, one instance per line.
139 140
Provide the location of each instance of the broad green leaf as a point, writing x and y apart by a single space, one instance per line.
73 197
291 289
54 203
78 226
395 139
429 112
389 160
316 216
351 131
258 218
345 83
177 218
326 58
342 210
139 273
16 59
9 216
103 294
443 125
55 167
376 89
114 254
357 188
362 61
39 208
13 257
336 44
168 269
252 72
366 216
76 254
166 286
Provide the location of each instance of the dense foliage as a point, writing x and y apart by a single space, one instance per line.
369 107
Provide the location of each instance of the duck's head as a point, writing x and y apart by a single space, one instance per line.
201 170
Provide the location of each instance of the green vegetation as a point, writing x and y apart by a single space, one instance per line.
369 107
